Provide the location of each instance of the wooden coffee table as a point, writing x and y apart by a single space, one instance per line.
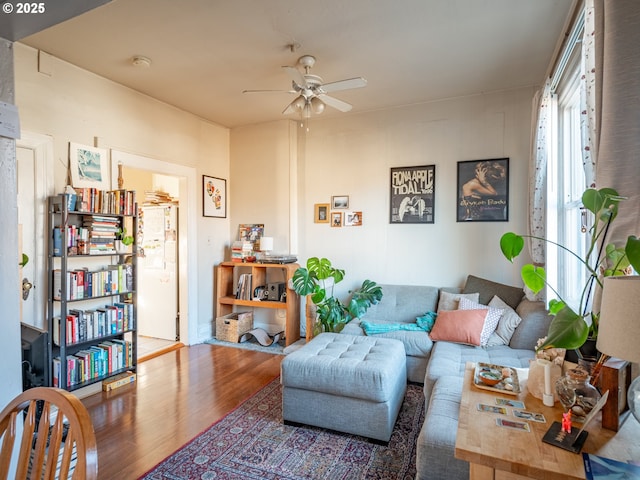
498 453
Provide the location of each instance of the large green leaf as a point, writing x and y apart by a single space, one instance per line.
602 203
567 330
511 245
361 299
633 252
303 283
533 277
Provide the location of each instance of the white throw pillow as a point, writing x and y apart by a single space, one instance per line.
491 321
449 301
507 324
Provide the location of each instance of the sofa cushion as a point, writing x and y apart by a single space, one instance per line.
534 325
460 326
490 323
403 303
416 344
449 301
507 325
487 289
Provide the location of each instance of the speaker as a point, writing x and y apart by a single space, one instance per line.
275 292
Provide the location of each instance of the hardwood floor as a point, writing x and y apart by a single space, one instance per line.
176 396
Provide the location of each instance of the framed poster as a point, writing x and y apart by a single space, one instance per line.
89 167
340 201
412 194
214 197
483 190
321 214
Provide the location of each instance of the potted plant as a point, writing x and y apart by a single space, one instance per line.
123 241
318 281
570 329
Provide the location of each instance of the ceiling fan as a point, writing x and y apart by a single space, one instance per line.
311 92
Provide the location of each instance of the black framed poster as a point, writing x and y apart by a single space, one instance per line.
483 190
412 194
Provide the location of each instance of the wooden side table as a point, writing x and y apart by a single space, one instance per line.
498 453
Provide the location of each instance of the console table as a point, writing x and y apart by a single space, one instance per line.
496 453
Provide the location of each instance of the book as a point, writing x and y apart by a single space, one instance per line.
597 467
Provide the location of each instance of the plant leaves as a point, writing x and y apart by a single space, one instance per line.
555 306
303 283
603 203
511 245
632 248
361 299
567 330
533 277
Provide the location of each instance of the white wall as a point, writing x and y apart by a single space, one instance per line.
352 155
72 104
10 354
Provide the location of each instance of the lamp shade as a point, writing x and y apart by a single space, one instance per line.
619 324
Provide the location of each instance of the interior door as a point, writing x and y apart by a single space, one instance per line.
158 271
34 171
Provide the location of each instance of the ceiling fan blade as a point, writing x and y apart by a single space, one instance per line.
357 82
335 103
296 76
269 91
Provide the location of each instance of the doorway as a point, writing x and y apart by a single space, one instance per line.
183 180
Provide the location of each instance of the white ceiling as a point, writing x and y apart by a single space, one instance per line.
206 52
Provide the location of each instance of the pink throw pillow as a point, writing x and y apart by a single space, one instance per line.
459 326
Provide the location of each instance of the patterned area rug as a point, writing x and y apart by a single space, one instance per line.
252 443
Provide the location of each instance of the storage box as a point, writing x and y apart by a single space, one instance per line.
118 381
230 327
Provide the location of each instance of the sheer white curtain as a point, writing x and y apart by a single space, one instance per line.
540 123
588 94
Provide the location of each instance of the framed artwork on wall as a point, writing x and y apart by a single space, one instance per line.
352 219
340 201
483 190
336 219
412 194
214 197
321 213
89 167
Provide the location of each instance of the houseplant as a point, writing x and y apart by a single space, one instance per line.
123 241
318 280
569 328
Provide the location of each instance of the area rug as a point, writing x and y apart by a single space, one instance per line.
252 443
277 348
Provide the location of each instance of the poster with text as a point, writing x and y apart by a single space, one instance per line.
412 194
483 190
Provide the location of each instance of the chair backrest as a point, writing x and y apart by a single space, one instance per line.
57 442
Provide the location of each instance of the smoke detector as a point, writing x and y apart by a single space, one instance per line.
141 61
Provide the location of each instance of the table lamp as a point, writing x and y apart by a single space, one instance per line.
619 327
266 245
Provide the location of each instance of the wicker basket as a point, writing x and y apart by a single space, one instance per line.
230 327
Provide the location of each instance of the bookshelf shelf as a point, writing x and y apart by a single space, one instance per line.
92 299
226 274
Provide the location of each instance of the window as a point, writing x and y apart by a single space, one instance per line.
566 183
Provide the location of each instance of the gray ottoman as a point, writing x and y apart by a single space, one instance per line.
352 384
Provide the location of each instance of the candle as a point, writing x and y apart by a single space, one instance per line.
547 377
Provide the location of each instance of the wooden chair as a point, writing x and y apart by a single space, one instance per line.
57 441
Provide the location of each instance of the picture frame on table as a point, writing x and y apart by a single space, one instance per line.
89 167
340 201
412 194
321 213
214 197
483 190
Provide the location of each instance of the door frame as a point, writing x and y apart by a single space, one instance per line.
187 226
42 147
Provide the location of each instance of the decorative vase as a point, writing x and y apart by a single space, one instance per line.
576 394
121 247
536 380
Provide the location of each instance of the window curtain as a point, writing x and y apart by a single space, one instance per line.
617 65
538 177
588 97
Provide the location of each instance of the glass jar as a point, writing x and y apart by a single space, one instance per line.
576 394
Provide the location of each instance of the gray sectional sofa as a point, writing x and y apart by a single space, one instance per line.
440 365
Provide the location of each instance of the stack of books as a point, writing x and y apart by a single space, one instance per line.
102 234
240 250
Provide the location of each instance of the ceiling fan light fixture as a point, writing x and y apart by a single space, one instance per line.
306 111
317 105
300 102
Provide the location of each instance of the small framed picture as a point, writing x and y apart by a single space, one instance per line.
352 219
336 219
340 201
89 167
321 214
214 197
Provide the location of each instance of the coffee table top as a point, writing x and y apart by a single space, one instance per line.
479 440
